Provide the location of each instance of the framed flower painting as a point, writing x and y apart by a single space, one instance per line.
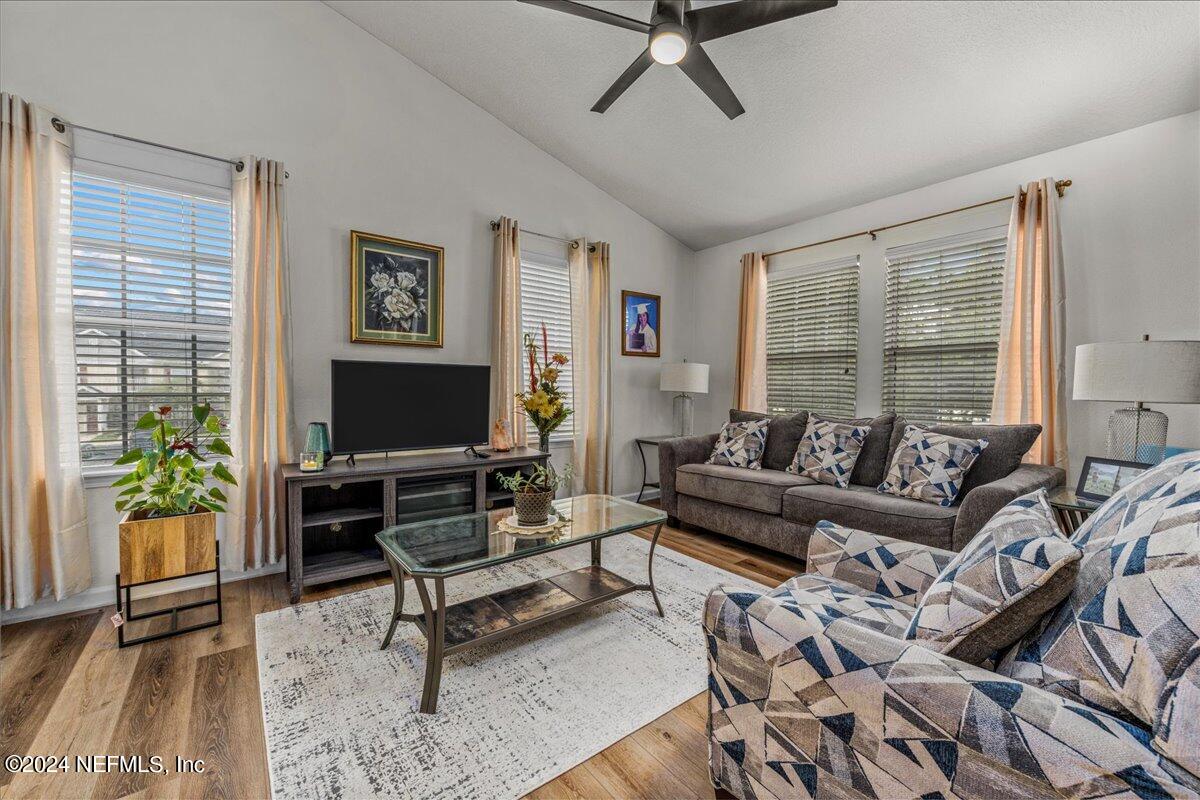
396 291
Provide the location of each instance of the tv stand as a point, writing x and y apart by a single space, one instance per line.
333 515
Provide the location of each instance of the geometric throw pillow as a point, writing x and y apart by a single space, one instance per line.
931 466
1018 567
828 451
1177 732
741 444
1134 615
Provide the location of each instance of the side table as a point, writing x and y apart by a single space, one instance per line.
1070 509
642 443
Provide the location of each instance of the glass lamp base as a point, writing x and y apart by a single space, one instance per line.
1137 434
683 414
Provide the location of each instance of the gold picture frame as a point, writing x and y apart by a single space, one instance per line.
397 291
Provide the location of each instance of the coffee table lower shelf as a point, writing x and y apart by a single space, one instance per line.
483 619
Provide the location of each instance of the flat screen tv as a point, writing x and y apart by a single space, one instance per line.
384 405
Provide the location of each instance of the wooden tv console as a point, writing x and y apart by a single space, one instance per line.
333 515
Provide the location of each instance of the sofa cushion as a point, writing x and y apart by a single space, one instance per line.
873 458
931 466
1018 567
741 444
866 509
1135 610
1007 445
836 598
828 451
758 490
783 435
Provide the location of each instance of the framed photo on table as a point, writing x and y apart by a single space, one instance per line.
641 327
1101 478
395 290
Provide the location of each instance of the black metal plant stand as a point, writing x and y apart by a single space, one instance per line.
125 607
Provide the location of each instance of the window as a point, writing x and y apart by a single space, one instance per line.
152 290
812 338
546 298
942 326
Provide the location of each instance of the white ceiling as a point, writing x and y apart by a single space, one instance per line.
843 106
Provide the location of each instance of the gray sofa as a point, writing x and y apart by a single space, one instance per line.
778 510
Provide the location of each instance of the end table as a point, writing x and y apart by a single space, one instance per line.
642 442
1070 509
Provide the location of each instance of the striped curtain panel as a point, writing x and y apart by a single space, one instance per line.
750 364
260 369
1031 362
43 514
506 328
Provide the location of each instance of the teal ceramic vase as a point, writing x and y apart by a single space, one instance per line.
317 440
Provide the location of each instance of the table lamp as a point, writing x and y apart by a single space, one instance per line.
1138 372
687 379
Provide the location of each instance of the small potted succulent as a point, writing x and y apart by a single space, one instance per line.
534 492
166 496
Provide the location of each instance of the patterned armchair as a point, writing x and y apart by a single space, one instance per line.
814 691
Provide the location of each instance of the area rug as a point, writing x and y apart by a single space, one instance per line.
341 715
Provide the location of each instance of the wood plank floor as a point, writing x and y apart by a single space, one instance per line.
67 690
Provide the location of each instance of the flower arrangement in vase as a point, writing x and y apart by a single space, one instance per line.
544 402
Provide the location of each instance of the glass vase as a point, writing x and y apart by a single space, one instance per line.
544 442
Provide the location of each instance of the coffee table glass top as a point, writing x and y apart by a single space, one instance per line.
452 545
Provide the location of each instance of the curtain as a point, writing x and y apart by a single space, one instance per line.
43 514
507 355
261 424
1030 364
591 344
750 366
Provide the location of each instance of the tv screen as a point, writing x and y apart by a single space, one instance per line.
383 405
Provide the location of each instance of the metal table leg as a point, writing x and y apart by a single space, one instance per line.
435 633
398 606
642 453
650 568
595 552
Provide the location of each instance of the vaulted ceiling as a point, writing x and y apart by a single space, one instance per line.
843 106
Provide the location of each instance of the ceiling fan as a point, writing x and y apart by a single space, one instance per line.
676 31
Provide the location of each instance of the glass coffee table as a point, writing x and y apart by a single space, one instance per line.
433 550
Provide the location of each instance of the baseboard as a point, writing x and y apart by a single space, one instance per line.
100 596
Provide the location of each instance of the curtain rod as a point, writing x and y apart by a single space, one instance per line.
1059 186
591 248
239 165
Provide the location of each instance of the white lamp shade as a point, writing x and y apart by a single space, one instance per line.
1149 371
688 377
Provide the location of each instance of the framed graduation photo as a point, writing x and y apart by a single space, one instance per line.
396 291
642 326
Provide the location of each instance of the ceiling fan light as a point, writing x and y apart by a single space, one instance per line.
668 47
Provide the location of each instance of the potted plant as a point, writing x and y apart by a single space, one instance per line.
544 403
170 510
534 492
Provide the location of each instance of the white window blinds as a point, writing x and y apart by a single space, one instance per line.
546 298
812 338
152 292
942 326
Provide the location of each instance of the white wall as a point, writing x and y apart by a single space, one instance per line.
372 143
1131 242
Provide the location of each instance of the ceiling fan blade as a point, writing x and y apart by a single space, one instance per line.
631 74
703 72
713 22
595 14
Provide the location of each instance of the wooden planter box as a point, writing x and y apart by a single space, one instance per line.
166 547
